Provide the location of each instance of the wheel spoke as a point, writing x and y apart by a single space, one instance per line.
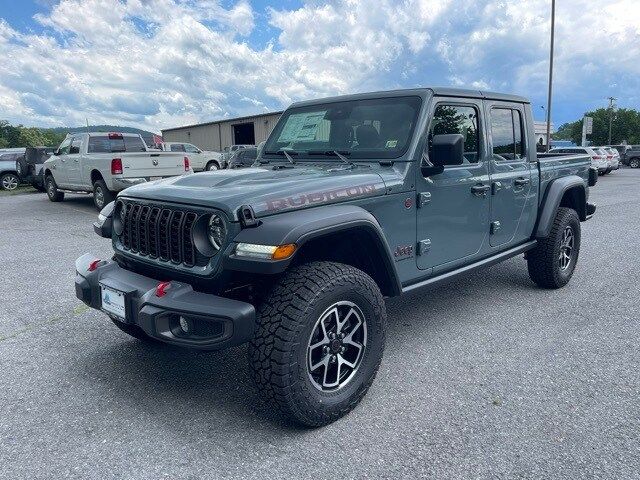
324 361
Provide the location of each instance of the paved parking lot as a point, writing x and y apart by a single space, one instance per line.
486 377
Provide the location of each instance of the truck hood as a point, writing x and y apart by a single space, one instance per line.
266 190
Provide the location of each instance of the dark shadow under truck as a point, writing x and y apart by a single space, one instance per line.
353 199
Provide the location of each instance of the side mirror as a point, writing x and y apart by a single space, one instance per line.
73 150
447 150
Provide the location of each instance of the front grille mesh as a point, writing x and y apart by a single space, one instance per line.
158 232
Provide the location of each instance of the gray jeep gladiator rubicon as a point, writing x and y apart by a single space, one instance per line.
352 200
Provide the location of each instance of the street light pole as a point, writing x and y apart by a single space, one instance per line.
611 100
553 27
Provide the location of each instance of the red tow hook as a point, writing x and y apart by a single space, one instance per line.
161 289
93 265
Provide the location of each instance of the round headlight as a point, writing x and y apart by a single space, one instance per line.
217 231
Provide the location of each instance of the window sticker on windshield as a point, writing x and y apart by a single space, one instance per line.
391 143
301 127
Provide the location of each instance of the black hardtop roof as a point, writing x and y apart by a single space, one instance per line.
439 91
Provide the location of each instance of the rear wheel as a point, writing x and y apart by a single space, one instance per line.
52 190
101 194
9 181
552 262
634 163
319 341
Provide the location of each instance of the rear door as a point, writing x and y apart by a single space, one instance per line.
509 170
453 213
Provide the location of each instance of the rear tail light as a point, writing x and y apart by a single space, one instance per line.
596 157
116 166
609 157
114 135
186 164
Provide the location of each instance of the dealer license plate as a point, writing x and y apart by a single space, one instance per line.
113 302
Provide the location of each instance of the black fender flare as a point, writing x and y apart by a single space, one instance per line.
302 226
551 202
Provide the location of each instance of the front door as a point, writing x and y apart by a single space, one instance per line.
195 156
74 166
453 213
509 170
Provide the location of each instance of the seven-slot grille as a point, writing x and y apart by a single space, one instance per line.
159 232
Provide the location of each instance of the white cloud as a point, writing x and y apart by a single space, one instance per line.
161 63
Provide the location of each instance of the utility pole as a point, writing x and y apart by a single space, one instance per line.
611 107
553 27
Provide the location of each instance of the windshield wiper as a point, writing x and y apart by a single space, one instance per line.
285 153
341 154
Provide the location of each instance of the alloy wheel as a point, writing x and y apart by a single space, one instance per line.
566 248
336 346
10 182
98 195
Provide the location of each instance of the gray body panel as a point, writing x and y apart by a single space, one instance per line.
7 166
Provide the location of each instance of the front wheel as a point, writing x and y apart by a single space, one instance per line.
319 341
9 181
634 163
552 262
212 166
52 190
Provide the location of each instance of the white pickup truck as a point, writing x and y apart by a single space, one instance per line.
200 159
105 163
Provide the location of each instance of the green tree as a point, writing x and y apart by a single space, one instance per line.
625 126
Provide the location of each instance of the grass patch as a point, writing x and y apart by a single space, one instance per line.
21 190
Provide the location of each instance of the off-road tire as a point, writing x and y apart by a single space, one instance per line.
134 331
100 188
52 189
285 320
543 261
212 166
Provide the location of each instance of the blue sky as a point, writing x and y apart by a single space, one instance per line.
163 63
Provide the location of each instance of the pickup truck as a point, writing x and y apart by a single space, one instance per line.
200 159
353 199
105 163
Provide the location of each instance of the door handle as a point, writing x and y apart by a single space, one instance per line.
76 160
521 182
480 190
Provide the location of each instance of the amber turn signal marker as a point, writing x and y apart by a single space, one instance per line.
284 251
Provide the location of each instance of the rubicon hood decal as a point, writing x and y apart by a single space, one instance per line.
268 191
313 198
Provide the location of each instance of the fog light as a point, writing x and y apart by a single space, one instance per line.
185 325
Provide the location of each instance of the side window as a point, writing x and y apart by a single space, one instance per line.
506 133
190 148
64 146
177 147
75 145
462 119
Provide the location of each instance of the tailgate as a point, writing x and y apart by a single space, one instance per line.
148 164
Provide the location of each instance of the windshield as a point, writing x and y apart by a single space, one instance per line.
373 128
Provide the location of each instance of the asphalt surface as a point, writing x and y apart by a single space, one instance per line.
486 377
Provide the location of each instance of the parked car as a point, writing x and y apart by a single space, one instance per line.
245 157
31 166
613 157
632 157
200 159
410 189
228 151
105 163
598 159
9 178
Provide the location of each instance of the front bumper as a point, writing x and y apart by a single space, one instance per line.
216 322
